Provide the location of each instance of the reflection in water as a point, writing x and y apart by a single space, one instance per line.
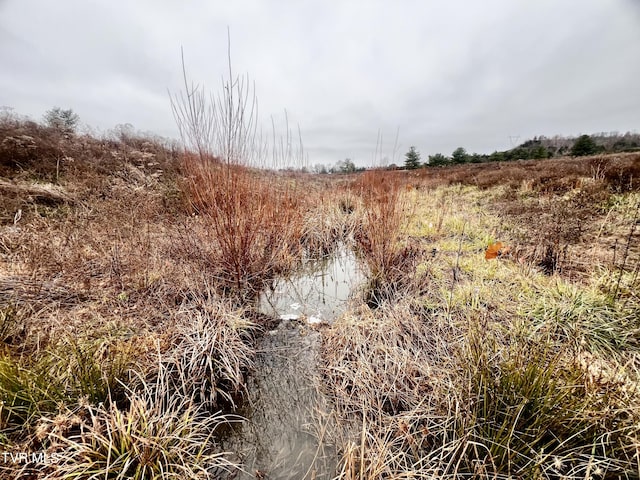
279 438
319 292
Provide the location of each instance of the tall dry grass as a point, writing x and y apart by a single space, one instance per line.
419 397
379 236
620 172
329 221
88 294
141 404
211 352
154 435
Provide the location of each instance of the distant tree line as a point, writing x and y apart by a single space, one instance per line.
66 121
537 148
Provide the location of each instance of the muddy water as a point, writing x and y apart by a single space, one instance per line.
282 436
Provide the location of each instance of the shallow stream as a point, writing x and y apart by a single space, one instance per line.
282 436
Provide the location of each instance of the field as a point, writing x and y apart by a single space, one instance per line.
497 334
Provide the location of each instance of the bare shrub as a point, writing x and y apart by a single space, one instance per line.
252 216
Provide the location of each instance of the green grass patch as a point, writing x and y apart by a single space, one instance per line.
584 319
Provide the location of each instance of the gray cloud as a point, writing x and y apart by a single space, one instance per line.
447 74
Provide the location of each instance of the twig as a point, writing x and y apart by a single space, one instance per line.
457 267
626 250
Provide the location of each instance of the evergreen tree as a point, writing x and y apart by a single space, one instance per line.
412 159
459 155
438 159
540 152
497 156
584 146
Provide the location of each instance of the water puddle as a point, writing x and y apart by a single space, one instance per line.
282 435
317 294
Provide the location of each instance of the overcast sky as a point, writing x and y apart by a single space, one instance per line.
476 74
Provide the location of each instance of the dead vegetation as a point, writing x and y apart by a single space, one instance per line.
421 396
504 367
564 213
128 271
247 228
620 172
91 300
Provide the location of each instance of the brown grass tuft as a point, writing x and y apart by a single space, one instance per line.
390 260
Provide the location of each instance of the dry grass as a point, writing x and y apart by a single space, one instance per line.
210 355
621 173
494 369
155 436
89 296
566 216
380 237
329 221
418 397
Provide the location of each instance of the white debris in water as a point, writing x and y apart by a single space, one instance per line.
289 316
311 320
